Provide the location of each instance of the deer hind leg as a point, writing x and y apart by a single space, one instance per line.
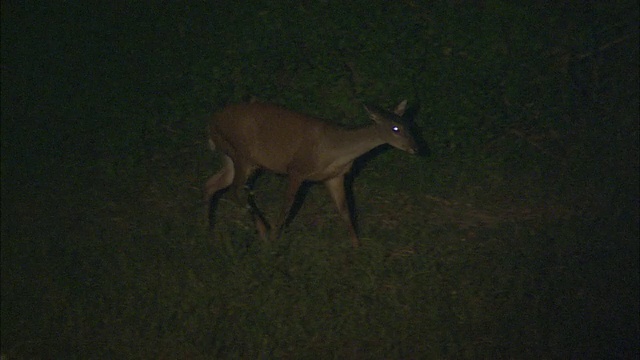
243 173
337 191
290 196
258 218
219 181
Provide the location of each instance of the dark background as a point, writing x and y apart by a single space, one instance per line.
517 237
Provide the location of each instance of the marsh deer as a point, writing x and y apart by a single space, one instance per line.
257 135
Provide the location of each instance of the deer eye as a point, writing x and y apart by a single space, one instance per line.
395 129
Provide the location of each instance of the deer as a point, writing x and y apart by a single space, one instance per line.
263 136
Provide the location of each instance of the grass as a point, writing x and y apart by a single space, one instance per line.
515 238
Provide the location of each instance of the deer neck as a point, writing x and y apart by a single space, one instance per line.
345 145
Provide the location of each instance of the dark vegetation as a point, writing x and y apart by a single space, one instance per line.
517 237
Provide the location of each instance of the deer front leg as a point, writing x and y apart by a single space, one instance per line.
336 189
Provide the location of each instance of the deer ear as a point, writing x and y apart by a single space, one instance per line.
374 114
400 108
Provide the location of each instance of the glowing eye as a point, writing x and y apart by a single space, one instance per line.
395 129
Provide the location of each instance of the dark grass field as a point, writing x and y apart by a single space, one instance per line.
514 237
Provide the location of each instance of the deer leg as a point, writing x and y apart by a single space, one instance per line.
336 189
258 218
219 181
243 173
290 196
